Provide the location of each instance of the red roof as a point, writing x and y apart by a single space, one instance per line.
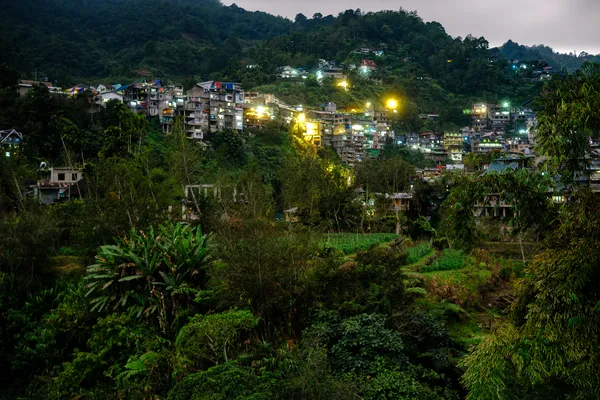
368 63
28 82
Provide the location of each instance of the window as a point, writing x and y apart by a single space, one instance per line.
73 177
61 177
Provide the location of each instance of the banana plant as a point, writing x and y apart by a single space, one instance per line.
152 275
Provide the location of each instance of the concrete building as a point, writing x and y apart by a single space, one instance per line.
62 184
479 116
498 116
453 144
214 106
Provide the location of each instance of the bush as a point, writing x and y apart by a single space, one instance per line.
213 338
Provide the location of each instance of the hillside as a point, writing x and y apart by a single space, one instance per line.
102 38
69 40
558 61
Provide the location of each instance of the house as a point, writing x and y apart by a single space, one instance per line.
400 201
367 66
10 140
144 97
25 86
104 88
453 143
287 72
499 116
487 143
333 73
291 215
62 184
105 97
479 116
214 106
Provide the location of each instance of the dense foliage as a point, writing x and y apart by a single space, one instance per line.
253 290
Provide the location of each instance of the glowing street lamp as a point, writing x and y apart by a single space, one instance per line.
506 104
392 104
301 117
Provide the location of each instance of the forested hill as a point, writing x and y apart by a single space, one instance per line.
101 38
558 61
74 39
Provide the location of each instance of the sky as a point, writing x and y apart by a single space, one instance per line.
565 25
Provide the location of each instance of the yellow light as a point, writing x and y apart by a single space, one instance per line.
260 110
301 117
392 104
368 105
343 84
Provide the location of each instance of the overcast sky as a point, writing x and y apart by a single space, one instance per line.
565 25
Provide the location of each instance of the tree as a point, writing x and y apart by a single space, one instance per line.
527 193
300 19
567 119
550 350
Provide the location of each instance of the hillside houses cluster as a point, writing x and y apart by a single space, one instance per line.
212 106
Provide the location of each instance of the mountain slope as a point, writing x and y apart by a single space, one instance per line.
556 60
86 38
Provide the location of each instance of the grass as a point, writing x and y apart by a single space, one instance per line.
419 251
448 260
352 242
67 264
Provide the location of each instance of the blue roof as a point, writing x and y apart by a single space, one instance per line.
500 167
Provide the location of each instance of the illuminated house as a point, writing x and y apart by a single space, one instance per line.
498 116
215 106
487 143
432 144
176 105
454 145
524 120
288 72
479 116
144 97
312 133
257 116
10 140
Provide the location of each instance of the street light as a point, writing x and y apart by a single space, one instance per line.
506 104
392 104
343 84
